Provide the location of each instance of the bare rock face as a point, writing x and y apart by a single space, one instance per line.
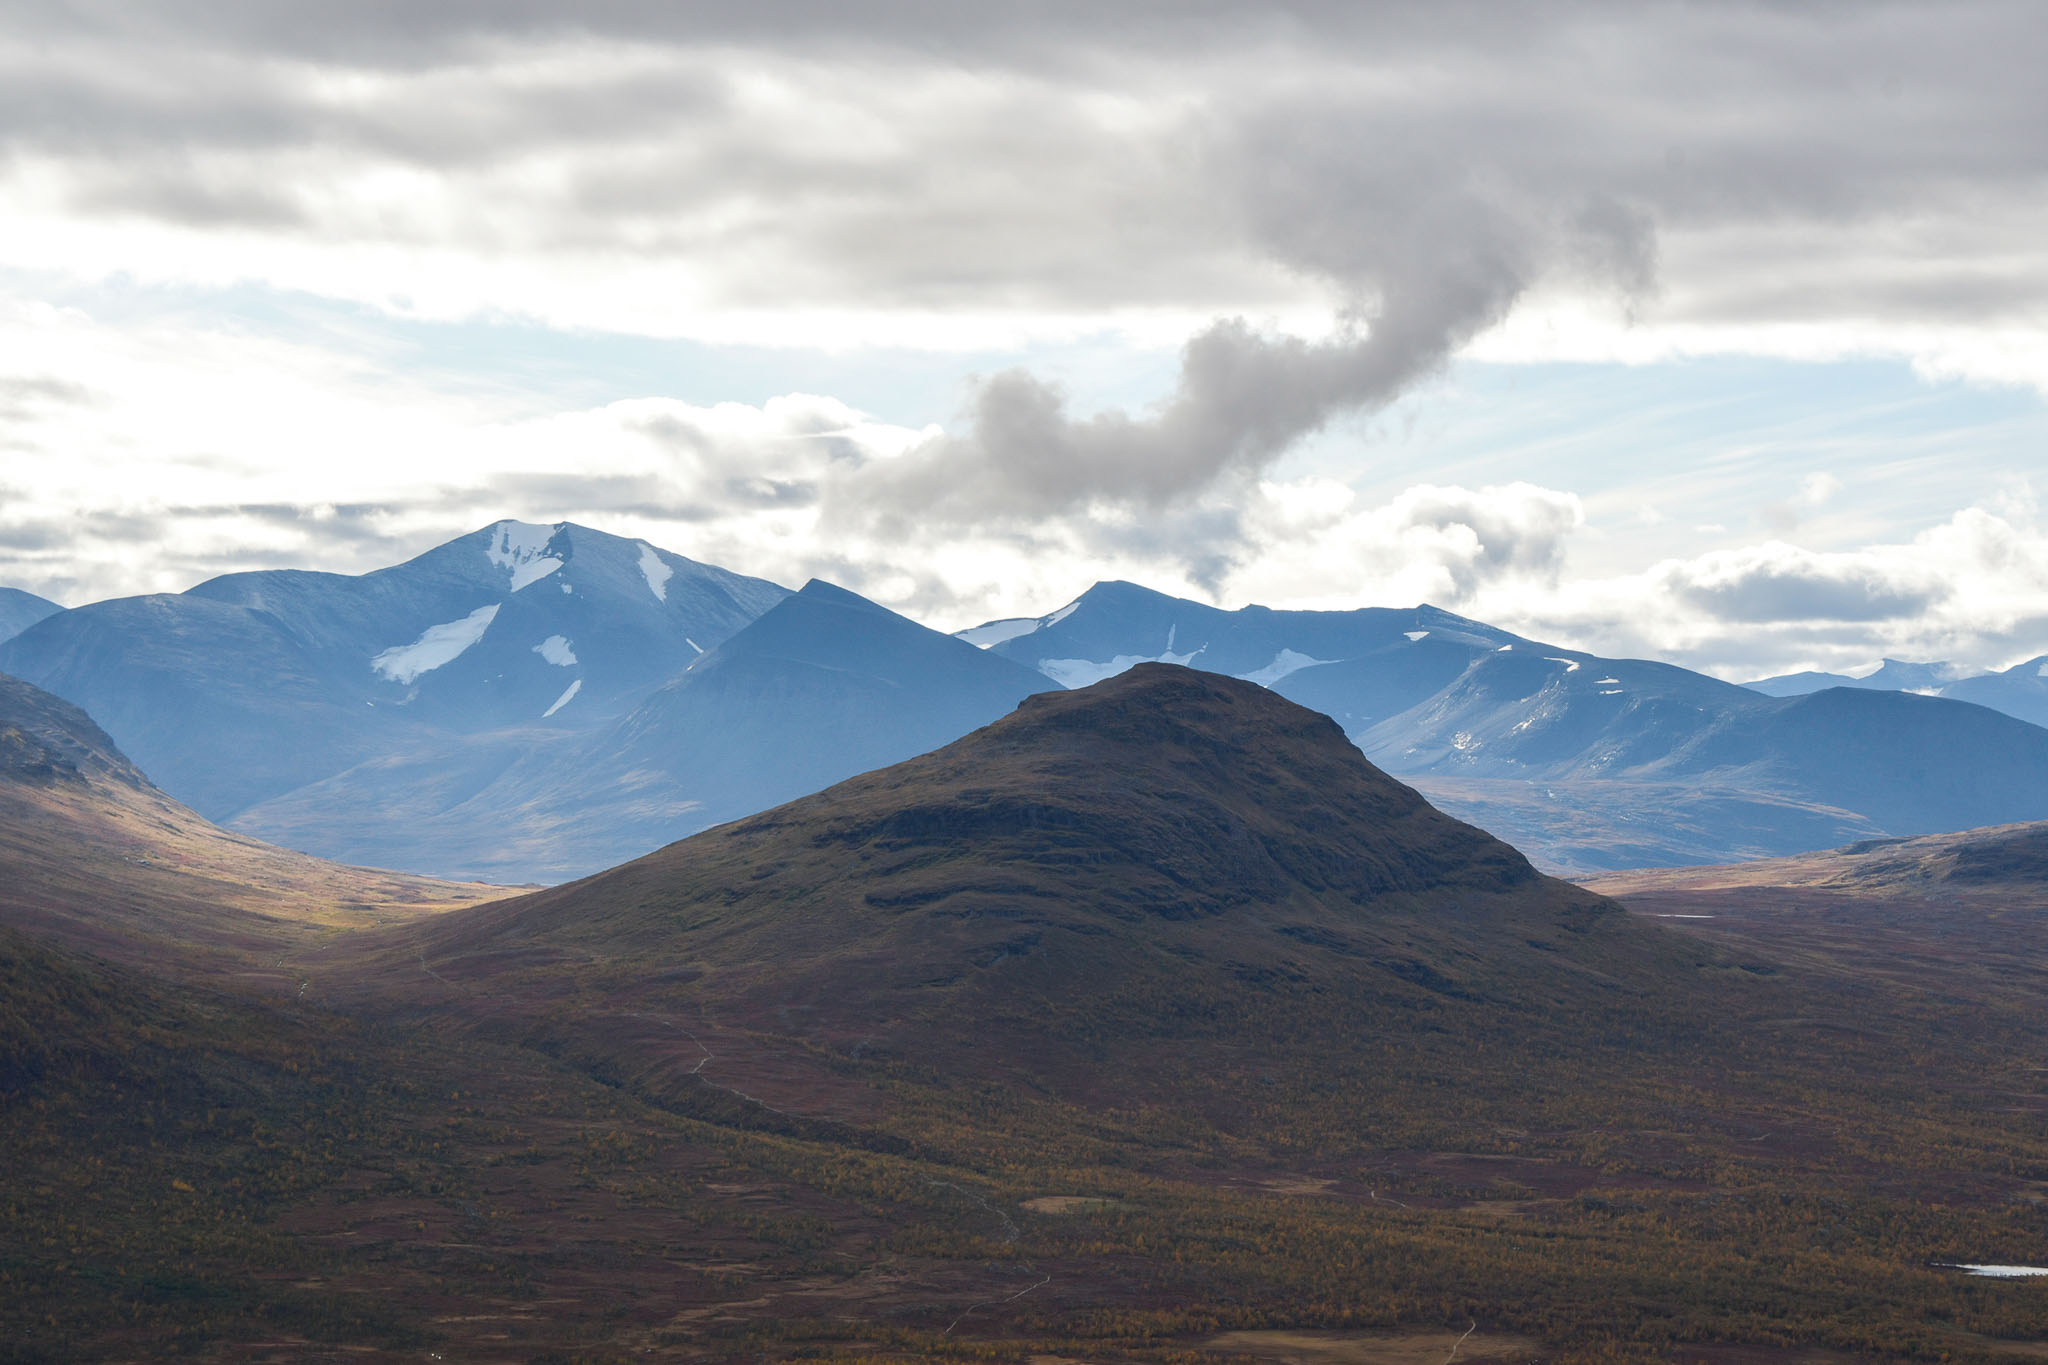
45 740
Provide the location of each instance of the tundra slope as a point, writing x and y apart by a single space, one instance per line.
94 855
1146 858
1178 1024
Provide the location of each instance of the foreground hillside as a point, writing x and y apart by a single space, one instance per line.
1151 1023
92 853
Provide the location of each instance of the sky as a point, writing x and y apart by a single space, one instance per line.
1715 333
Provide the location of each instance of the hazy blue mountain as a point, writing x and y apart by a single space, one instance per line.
1799 684
2020 691
1586 762
1113 626
19 610
1893 675
254 684
823 686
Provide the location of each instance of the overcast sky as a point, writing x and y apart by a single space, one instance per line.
1716 333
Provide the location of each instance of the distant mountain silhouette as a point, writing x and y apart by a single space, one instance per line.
2020 691
19 610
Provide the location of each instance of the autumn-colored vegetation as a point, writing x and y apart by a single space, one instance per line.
1042 1122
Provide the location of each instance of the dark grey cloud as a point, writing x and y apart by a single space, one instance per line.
1078 156
1804 590
1242 400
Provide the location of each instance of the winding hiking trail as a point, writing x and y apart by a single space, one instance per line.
991 1303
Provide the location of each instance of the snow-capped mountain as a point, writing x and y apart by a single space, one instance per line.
1461 708
19 610
530 702
824 685
255 684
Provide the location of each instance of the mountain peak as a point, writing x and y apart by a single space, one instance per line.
1145 855
1162 794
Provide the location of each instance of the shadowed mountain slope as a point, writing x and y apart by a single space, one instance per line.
93 854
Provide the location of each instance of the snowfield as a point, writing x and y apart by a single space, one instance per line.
436 646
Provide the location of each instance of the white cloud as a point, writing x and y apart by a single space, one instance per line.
1973 589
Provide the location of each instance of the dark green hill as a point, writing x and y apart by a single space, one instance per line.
1096 894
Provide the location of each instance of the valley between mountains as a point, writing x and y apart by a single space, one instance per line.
1150 1021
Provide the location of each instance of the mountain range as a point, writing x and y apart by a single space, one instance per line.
2021 690
533 703
1586 762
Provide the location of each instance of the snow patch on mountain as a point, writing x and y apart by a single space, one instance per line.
563 700
436 646
1013 627
995 632
1570 665
555 649
656 571
1285 662
1071 673
533 572
522 547
1416 634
